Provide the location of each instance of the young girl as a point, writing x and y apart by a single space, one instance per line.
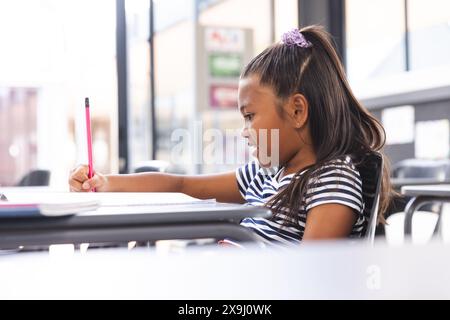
297 87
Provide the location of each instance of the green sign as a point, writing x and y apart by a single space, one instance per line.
225 65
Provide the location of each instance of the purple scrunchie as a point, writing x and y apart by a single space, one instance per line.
295 37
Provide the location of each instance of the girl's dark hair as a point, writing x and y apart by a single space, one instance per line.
339 124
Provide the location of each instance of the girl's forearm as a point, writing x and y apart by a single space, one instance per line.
222 187
144 182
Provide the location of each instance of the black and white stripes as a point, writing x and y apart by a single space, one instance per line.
338 182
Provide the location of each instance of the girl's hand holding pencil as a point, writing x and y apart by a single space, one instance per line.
79 180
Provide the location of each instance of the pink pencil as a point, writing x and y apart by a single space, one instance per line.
89 139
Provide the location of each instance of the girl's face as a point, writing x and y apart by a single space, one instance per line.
262 111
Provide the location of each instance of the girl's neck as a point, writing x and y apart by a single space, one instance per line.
302 159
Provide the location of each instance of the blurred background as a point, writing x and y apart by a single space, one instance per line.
151 67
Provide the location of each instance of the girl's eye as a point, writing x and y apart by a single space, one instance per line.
248 116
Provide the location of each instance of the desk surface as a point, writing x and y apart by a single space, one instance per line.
133 216
314 271
130 215
133 223
439 190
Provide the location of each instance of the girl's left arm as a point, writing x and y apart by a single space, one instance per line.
329 221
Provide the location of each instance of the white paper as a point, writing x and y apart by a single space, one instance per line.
432 139
398 122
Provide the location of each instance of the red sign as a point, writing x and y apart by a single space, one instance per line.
223 96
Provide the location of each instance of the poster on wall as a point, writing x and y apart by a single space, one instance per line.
224 39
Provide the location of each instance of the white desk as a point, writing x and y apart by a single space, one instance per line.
438 190
320 271
134 223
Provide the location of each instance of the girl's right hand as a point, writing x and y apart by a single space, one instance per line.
79 181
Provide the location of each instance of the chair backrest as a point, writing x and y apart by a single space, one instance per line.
35 178
371 171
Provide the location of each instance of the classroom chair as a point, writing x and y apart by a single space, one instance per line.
35 178
371 172
424 221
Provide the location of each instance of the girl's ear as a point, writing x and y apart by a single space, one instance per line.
297 108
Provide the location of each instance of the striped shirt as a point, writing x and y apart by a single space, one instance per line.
339 182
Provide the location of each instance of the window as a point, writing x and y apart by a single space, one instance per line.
139 89
375 38
397 46
174 74
196 81
429 34
55 53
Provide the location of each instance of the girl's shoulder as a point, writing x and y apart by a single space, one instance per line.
336 181
339 166
341 162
